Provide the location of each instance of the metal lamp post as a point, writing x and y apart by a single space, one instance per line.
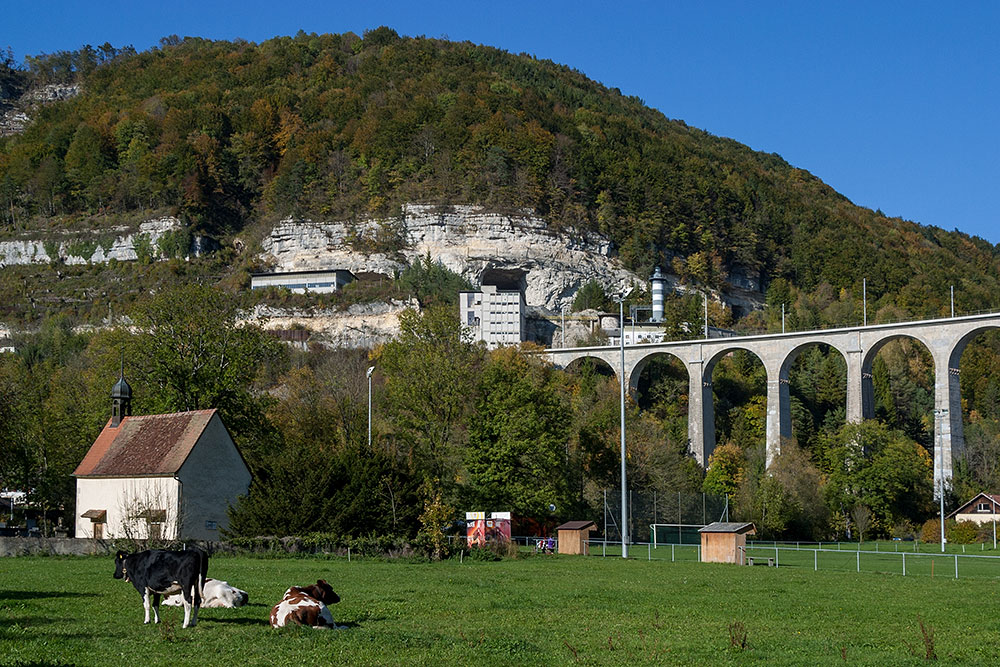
864 300
621 338
371 369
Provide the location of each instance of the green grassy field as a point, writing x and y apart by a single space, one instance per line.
535 610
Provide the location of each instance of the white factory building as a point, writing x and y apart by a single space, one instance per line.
304 281
493 315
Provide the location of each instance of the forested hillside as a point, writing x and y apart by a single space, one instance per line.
333 126
232 136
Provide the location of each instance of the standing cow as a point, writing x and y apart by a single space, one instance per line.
155 573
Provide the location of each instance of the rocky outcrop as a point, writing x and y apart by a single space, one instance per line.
15 119
119 243
551 265
360 325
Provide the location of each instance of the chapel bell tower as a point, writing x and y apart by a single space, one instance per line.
121 399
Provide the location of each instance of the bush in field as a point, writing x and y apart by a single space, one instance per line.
961 532
930 531
985 532
904 529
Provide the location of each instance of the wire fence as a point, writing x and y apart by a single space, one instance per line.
647 507
833 557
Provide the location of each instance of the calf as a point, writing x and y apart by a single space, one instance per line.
215 593
155 573
306 606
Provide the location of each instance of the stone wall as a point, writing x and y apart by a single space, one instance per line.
71 546
53 546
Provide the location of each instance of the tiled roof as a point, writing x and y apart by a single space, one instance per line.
144 445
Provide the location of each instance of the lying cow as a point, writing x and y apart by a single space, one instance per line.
306 606
155 573
215 594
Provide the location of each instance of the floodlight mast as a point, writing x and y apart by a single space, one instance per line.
371 369
620 298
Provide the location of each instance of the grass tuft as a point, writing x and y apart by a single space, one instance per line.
738 636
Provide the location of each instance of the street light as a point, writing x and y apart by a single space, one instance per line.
864 300
371 369
941 414
620 299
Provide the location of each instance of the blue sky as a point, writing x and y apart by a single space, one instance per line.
893 104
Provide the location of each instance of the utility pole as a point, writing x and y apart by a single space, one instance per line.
371 369
621 377
705 299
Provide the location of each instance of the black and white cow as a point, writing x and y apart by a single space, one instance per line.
214 593
155 573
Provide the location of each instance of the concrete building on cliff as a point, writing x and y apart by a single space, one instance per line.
493 315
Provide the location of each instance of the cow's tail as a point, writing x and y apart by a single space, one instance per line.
198 594
202 573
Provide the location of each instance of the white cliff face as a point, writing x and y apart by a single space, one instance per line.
88 249
360 325
466 240
15 120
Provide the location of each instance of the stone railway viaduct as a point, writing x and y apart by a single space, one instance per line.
945 339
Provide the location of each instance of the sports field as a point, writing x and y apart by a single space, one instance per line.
536 610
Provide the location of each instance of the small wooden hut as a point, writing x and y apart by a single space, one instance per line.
574 537
725 542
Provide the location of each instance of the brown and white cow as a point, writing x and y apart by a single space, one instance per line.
306 605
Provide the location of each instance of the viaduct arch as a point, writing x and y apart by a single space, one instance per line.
945 339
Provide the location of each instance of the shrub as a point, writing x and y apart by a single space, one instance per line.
904 529
930 531
985 532
961 532
494 551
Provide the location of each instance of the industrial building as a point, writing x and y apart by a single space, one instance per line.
304 281
493 315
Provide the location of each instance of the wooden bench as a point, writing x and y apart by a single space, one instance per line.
750 560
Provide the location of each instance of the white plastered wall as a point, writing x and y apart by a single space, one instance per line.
125 497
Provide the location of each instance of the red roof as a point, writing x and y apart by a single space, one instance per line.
146 445
966 507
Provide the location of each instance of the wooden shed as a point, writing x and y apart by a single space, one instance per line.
724 542
574 537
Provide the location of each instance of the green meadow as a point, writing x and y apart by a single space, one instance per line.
531 610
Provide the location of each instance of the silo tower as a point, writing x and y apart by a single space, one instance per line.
659 288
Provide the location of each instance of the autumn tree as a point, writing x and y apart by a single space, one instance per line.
725 467
430 375
515 459
868 463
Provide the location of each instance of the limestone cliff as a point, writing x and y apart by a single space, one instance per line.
467 240
119 243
